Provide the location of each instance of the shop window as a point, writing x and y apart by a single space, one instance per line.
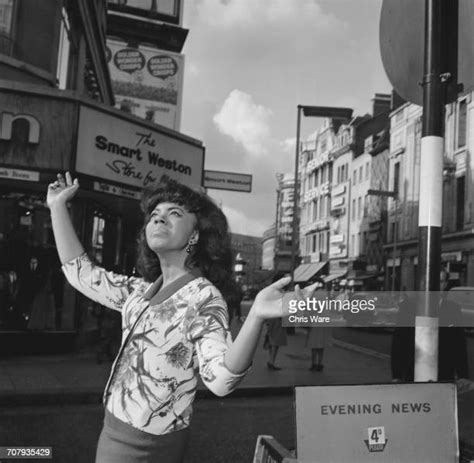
98 226
31 281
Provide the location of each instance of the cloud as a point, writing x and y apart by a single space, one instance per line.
245 121
288 145
245 13
243 224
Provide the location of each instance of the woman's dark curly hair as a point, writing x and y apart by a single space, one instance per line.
212 254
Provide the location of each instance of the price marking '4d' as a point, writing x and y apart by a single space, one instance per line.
377 440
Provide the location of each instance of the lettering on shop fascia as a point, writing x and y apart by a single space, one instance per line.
6 126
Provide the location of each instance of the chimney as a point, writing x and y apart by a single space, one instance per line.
381 103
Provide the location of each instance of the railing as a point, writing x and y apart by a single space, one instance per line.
269 450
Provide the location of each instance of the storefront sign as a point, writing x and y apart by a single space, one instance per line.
6 126
118 150
383 423
227 181
148 82
18 174
116 190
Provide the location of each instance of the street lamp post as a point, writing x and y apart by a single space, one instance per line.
308 111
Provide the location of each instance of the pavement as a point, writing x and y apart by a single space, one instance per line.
77 377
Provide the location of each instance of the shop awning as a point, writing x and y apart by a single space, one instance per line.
305 272
334 276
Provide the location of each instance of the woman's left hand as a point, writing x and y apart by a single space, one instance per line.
269 301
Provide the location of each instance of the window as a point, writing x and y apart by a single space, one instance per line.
321 207
315 209
367 170
63 52
322 241
316 177
462 117
354 177
460 203
361 169
359 208
313 247
352 250
353 209
396 177
6 26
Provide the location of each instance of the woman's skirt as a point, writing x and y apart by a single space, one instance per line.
121 443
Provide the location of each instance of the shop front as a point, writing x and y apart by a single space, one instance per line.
115 156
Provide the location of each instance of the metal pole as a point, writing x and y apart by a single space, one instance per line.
431 184
294 241
395 237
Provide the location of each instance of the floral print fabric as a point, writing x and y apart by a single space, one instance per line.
154 377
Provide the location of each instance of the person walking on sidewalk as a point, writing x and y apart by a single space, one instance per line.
275 336
318 338
174 319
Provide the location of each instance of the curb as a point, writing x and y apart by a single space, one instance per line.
360 349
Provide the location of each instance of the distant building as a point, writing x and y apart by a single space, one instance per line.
284 222
250 250
268 248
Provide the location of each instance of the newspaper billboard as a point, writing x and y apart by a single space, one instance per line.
147 82
377 423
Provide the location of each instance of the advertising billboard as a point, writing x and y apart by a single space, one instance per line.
147 82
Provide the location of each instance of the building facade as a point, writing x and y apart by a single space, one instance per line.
457 252
56 114
316 174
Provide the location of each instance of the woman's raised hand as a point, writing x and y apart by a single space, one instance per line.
62 190
268 302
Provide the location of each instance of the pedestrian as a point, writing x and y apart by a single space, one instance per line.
318 337
275 336
174 319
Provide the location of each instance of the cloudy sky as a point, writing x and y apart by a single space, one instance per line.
249 63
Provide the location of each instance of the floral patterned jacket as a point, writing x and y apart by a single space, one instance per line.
167 336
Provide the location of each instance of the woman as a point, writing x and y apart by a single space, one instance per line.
174 319
318 337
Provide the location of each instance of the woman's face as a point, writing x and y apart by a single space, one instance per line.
170 228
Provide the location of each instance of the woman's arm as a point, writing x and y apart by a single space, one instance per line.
107 288
59 193
268 304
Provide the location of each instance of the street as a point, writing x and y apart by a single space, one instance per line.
223 429
380 341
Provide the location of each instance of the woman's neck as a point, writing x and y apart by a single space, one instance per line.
172 267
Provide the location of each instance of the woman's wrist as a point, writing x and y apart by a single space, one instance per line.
254 317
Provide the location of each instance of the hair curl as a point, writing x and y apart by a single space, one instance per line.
212 254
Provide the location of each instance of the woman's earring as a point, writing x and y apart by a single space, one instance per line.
190 246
